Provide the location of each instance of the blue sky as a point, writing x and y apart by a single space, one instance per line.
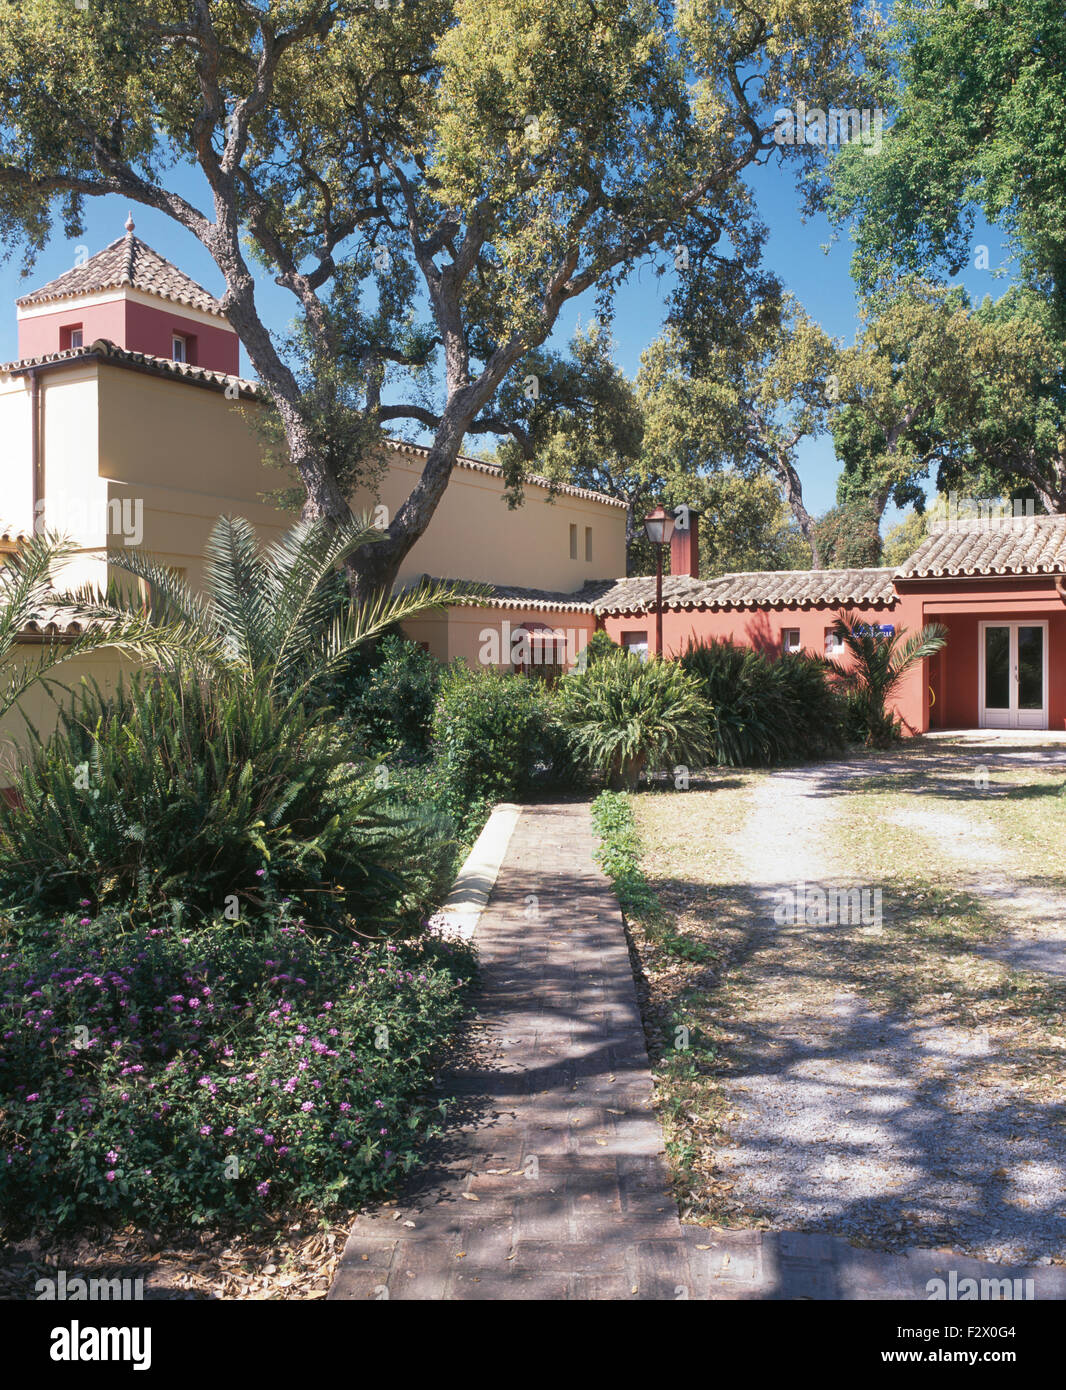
819 279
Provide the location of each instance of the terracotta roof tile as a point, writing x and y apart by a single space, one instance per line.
139 361
753 589
981 546
127 261
514 596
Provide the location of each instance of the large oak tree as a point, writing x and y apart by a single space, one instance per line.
432 182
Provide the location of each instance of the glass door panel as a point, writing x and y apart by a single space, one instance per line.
1030 668
997 668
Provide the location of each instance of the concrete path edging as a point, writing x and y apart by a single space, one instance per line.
469 896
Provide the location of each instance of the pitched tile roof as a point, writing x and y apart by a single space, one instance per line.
753 589
141 362
781 588
982 546
514 596
127 261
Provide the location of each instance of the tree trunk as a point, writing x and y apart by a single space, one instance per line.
793 489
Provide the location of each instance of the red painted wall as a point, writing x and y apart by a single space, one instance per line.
941 693
959 694
41 335
762 629
137 327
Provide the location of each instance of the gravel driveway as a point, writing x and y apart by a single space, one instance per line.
890 1129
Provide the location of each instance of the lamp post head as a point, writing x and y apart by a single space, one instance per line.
659 526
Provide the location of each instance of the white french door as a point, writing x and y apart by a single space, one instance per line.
1012 691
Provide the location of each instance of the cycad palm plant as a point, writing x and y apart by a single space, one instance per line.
879 661
270 614
215 775
29 601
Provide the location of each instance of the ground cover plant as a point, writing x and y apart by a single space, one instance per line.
168 1076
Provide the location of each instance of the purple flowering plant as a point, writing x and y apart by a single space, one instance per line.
137 1064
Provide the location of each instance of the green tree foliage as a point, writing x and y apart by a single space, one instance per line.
978 101
977 95
646 442
904 539
745 394
849 537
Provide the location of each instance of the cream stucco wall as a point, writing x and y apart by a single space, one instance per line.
132 458
475 535
42 702
184 456
16 474
485 636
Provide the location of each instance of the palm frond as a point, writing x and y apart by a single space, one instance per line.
237 583
300 565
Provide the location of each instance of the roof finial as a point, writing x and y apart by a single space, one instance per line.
129 222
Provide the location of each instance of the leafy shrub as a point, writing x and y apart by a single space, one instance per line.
597 647
173 1076
178 790
397 702
625 715
492 741
815 724
765 711
386 693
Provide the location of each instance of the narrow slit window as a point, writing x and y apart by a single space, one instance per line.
588 543
573 542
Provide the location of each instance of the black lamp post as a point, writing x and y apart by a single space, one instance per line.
659 527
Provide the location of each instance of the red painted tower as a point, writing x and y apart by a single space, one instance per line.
135 298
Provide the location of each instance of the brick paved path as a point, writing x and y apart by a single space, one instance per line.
554 1185
563 1152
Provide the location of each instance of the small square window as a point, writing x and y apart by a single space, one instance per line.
790 639
573 542
71 336
588 543
833 644
637 643
177 348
